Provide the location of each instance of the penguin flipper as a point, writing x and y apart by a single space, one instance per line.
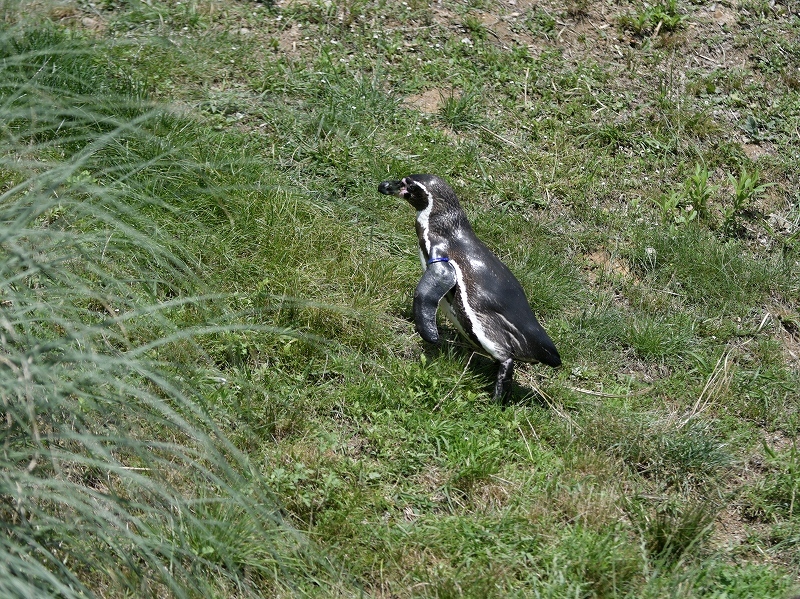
439 278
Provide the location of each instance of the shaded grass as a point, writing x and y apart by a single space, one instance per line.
114 480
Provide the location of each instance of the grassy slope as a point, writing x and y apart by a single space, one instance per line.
659 461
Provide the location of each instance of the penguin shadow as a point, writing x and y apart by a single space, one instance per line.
452 345
524 395
520 394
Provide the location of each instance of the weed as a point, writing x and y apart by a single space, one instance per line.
693 203
760 130
699 192
653 19
746 190
667 204
674 208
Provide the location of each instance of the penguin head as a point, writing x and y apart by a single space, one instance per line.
420 190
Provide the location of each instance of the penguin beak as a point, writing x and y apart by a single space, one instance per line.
392 188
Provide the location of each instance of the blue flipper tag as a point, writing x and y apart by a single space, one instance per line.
442 259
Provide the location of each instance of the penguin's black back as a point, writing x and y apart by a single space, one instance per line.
495 297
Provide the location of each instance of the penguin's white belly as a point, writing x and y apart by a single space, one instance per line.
451 316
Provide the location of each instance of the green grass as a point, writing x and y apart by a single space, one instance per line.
210 377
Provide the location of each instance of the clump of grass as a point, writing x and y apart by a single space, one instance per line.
659 337
603 561
704 273
475 27
460 111
672 454
113 477
474 461
776 496
673 530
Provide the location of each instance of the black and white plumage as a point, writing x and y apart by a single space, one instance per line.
478 292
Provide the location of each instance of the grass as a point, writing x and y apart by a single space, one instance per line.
211 381
115 480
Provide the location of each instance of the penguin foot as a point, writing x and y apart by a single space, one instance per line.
505 376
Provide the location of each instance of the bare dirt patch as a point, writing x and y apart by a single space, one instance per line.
70 15
428 102
722 16
602 264
290 40
755 151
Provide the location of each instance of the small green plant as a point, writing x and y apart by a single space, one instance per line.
638 23
699 192
475 27
541 21
674 208
652 20
578 9
668 204
692 203
745 191
667 16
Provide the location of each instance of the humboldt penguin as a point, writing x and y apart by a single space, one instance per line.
480 295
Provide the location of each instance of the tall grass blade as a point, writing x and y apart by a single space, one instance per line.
113 480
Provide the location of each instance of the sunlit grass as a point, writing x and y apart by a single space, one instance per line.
209 361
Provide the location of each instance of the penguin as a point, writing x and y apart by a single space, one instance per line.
479 294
